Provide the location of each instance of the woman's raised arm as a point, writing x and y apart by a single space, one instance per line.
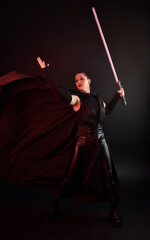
55 89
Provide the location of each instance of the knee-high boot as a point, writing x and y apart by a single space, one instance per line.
54 210
114 217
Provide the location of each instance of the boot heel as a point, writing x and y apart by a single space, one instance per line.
115 219
52 214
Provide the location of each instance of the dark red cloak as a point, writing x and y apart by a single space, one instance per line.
37 134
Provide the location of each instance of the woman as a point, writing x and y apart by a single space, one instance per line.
90 152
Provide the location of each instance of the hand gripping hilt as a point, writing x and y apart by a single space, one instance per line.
123 99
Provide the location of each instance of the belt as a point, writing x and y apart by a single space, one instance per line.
90 132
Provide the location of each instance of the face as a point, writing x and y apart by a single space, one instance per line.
82 82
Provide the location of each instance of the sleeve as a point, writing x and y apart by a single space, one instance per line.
110 106
61 93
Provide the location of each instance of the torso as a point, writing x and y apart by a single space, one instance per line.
89 110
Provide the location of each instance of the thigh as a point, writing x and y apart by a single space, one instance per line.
75 159
106 157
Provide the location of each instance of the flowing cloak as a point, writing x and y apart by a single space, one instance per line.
37 136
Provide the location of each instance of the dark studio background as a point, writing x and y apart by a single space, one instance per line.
65 35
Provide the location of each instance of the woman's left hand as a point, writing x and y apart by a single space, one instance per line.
41 62
121 92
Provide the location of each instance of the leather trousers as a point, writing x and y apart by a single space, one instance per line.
87 137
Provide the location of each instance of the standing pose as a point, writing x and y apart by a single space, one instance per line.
90 153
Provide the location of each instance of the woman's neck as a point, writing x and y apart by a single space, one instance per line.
86 91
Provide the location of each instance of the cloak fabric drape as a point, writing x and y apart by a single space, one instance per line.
37 135
36 131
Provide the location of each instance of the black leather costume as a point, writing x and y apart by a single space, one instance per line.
90 160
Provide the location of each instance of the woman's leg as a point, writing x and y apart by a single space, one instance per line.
74 161
111 185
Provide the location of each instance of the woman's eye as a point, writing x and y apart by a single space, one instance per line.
81 79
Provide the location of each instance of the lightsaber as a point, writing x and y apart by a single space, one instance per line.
118 83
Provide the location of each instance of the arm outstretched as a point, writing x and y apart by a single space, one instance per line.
55 89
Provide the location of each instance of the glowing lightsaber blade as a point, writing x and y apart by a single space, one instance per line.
118 83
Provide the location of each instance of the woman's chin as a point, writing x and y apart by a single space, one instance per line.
80 89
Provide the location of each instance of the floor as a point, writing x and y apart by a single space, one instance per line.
22 209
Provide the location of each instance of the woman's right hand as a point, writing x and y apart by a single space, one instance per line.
41 63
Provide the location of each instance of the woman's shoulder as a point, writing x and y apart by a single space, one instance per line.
95 94
100 99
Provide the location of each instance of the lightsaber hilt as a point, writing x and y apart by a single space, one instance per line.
119 87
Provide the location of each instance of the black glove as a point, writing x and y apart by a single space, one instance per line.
54 87
110 106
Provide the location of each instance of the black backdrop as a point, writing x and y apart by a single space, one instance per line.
65 35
